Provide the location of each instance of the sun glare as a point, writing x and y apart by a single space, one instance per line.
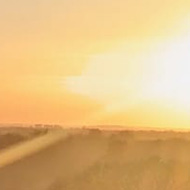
160 73
170 78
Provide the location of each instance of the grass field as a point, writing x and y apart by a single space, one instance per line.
93 159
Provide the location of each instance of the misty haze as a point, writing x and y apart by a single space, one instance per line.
94 94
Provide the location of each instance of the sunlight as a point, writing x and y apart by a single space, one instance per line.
121 78
170 78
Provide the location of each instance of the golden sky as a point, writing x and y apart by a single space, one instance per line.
88 62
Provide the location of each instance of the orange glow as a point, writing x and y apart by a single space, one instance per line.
79 62
156 78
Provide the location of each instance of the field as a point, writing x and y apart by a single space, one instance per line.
10 136
93 159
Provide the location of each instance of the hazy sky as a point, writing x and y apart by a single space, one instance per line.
86 62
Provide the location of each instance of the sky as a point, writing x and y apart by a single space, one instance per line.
84 62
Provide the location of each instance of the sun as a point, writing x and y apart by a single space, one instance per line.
160 73
157 77
170 73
